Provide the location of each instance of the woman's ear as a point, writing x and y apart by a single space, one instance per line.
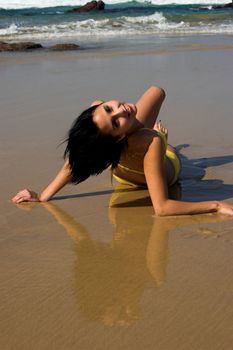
96 103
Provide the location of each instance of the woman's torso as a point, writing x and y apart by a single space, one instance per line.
131 166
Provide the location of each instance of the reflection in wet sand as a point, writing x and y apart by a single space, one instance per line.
111 278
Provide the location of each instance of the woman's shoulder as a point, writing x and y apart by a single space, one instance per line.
142 136
138 145
140 140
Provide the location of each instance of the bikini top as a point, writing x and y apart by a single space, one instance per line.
164 139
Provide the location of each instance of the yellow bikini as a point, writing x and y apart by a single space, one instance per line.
171 155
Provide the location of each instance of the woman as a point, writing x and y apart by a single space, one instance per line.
126 137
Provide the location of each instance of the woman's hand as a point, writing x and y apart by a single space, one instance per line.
159 127
25 196
225 208
60 180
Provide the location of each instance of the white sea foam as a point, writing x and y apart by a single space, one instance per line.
12 29
120 26
17 4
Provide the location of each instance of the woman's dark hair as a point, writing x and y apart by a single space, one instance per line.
89 152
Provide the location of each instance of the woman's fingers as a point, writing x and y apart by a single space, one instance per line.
161 128
19 196
25 195
226 211
226 208
16 198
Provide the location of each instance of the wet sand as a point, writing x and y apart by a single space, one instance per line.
93 269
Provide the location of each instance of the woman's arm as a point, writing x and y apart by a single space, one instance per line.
148 106
61 179
155 174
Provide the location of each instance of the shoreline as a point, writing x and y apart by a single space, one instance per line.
142 46
130 40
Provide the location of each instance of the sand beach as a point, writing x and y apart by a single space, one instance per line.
93 268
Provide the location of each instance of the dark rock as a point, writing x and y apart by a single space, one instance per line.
89 6
23 46
229 5
27 46
63 47
219 7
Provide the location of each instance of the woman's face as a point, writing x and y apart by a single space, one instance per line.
115 118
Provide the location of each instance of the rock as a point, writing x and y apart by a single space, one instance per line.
27 46
219 7
63 47
89 6
229 5
23 46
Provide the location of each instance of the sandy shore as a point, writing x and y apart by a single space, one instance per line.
78 274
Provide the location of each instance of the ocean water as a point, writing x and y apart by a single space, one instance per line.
48 20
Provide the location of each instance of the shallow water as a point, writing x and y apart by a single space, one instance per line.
125 277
